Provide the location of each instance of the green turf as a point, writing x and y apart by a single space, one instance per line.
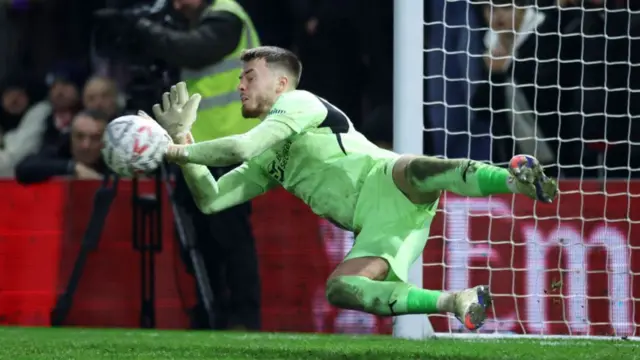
69 344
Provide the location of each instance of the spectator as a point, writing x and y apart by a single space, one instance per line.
101 93
18 94
20 127
529 75
62 105
77 153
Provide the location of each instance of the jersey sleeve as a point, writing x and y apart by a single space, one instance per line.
235 187
300 110
254 173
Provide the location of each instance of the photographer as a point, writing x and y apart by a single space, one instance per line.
207 51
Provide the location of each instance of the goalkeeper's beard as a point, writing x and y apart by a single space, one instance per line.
262 107
248 113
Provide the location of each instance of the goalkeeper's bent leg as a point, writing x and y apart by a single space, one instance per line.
386 298
420 175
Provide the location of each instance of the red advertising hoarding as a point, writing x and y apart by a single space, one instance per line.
571 267
565 268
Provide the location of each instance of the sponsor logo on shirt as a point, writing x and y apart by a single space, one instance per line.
279 164
276 112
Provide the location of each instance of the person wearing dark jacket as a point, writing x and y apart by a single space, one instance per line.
19 124
208 52
77 154
530 80
609 95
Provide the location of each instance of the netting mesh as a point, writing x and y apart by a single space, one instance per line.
558 80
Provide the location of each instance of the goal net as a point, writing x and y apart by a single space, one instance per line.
565 89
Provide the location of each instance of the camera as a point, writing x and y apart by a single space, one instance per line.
112 32
112 39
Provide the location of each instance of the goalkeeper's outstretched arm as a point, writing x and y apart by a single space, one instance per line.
233 149
236 187
213 196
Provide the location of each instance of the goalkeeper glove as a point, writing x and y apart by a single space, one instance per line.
530 179
178 112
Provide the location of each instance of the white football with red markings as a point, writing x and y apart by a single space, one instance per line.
133 145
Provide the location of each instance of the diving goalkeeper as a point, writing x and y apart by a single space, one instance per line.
310 147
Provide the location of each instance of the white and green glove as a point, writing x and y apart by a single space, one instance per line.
178 112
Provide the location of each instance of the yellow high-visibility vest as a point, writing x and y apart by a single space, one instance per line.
220 109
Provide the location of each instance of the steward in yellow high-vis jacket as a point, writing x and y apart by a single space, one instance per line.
208 51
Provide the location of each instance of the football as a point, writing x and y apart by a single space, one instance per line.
134 145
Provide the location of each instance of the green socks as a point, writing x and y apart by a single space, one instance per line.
462 176
493 180
386 298
421 301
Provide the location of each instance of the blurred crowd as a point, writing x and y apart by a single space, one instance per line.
559 78
49 72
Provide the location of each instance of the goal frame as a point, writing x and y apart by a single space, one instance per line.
408 65
408 117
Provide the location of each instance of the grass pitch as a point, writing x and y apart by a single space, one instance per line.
80 344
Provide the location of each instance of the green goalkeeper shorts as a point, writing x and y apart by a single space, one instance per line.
392 227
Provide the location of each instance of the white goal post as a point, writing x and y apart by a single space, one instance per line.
569 269
407 119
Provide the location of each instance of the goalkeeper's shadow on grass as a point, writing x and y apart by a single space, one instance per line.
146 239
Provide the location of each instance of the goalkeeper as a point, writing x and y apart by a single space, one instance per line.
310 147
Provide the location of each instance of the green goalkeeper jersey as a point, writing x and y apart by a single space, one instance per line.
325 163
